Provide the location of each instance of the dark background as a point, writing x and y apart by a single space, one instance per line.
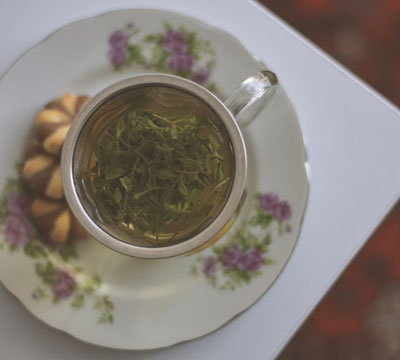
359 319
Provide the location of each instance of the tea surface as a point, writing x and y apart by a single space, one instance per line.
161 167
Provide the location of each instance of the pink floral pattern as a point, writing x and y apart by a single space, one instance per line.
118 39
19 204
117 56
174 50
17 230
268 202
251 260
17 227
209 266
282 211
64 285
174 42
231 256
56 277
201 76
180 62
243 254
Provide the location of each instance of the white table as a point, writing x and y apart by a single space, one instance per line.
351 134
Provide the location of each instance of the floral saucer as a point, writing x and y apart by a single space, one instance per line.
103 297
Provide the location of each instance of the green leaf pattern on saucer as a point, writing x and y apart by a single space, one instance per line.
240 258
174 50
58 279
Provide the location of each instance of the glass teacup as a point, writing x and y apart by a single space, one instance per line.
160 199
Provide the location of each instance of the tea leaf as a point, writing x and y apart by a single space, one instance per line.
150 171
117 195
126 183
114 173
182 188
164 174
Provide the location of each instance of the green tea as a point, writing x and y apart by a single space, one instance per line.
160 168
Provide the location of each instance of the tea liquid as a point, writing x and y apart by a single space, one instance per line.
159 167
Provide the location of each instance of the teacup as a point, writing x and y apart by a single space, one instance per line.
80 162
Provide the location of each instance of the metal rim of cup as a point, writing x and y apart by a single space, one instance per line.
225 215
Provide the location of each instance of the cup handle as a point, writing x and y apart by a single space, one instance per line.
252 96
